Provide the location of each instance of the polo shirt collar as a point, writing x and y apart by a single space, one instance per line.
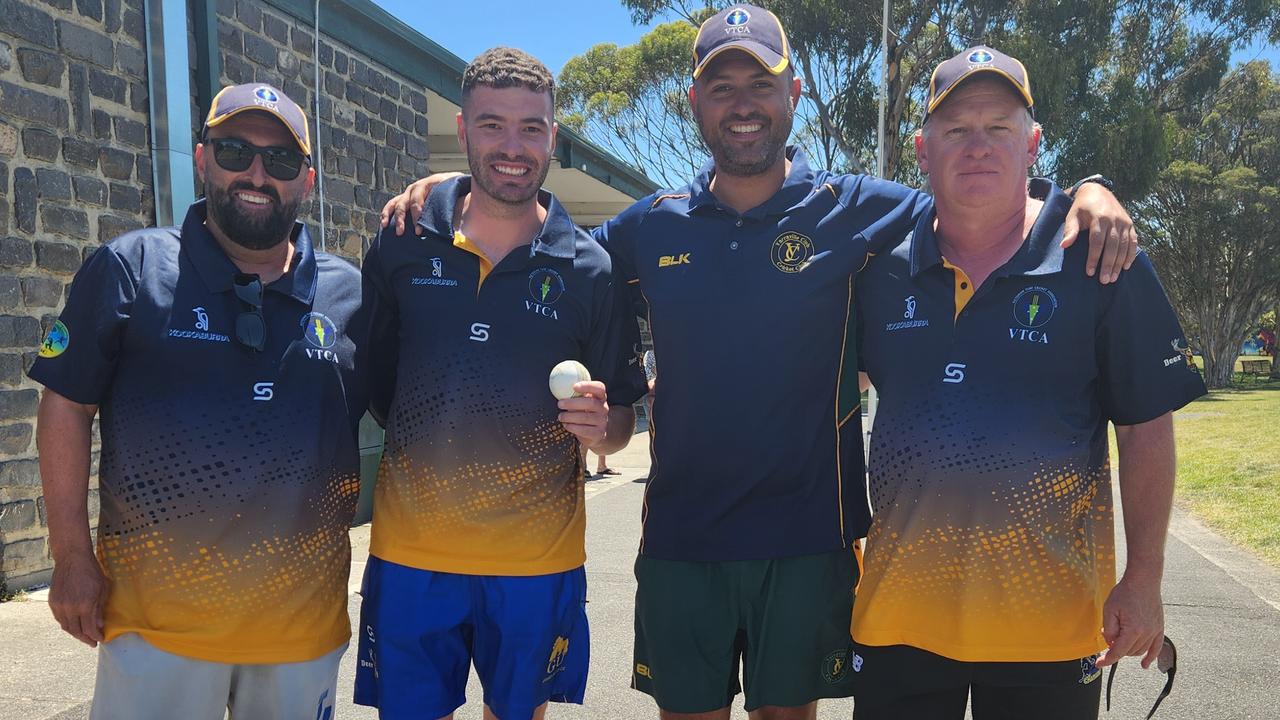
217 271
797 186
1041 253
557 238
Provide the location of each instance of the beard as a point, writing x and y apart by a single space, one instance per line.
745 162
490 181
250 232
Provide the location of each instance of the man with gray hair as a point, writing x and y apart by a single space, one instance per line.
990 564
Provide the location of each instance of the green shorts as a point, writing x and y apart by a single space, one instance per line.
783 625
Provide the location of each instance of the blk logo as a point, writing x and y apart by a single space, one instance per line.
202 319
480 332
953 373
669 260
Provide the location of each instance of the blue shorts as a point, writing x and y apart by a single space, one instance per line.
420 631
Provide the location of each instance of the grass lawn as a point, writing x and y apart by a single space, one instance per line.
1229 463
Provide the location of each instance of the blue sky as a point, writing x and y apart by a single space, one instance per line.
556 30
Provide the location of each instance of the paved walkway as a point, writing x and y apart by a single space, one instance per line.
1222 605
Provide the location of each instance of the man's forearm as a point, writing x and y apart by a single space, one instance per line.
63 439
622 425
1147 471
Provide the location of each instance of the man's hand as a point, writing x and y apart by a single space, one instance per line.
409 203
77 595
587 417
1132 622
1111 233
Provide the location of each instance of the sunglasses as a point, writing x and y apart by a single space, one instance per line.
1166 662
237 155
251 327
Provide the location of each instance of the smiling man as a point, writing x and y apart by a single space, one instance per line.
217 354
990 564
479 514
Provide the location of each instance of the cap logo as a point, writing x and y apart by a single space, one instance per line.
266 94
737 17
980 57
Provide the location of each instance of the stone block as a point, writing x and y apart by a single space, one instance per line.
41 68
130 132
111 16
134 25
81 107
22 20
91 9
18 404
275 28
341 61
131 61
125 198
109 86
10 292
80 153
143 165
41 292
16 253
20 473
24 199
229 38
138 100
101 126
89 190
58 257
260 50
10 371
34 106
6 56
40 144
53 184
249 13
86 44
64 221
302 42
19 331
116 164
15 439
21 554
18 516
111 227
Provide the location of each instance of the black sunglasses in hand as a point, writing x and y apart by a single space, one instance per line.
251 327
237 155
1166 662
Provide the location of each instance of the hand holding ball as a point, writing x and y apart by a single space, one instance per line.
564 376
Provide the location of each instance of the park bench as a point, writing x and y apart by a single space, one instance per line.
1255 367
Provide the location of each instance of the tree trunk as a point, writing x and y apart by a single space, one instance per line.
1275 350
1220 355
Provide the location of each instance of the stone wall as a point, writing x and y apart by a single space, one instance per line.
75 171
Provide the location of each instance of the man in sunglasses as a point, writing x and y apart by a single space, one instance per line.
989 572
218 356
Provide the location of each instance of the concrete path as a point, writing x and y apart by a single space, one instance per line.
1222 608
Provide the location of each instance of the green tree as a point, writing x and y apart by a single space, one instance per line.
1211 219
1106 74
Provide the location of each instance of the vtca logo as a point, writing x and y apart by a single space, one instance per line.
545 288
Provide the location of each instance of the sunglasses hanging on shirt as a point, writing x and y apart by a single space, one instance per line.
251 327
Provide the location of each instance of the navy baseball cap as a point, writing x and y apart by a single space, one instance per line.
236 99
753 30
978 59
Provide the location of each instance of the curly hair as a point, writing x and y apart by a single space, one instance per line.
504 67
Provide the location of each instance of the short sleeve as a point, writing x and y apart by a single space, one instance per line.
1143 357
613 351
78 355
377 334
618 236
887 210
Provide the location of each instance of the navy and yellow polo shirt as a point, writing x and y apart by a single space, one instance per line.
757 440
478 475
992 534
228 477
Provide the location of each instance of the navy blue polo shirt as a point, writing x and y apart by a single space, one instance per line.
757 441
479 476
228 477
992 536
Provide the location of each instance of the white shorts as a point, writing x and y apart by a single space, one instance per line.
138 681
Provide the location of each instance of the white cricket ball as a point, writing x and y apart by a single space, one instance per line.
563 377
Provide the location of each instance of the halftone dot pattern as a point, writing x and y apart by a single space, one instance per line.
477 475
978 536
221 528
